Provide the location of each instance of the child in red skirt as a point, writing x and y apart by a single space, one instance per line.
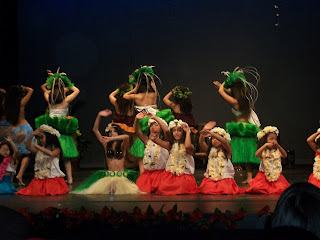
48 179
314 143
178 176
155 157
219 176
269 179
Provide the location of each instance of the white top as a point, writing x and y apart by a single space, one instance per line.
253 118
11 169
148 108
155 157
46 166
62 112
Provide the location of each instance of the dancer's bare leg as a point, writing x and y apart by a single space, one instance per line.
140 166
68 167
23 167
249 172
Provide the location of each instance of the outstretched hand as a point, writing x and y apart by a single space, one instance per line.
141 115
209 126
217 84
205 133
185 127
8 138
105 113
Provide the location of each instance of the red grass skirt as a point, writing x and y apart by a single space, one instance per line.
260 184
314 181
149 181
173 185
44 187
220 187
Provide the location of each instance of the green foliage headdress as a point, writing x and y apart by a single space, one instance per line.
122 91
58 76
179 93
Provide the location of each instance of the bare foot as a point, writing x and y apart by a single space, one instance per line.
246 181
70 181
21 183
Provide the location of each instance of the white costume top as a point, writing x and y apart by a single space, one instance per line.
179 161
62 112
11 169
155 157
46 166
253 118
218 167
148 108
271 156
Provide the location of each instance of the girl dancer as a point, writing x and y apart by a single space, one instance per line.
241 95
219 176
145 96
48 178
115 179
269 179
16 99
314 143
155 156
8 158
54 90
178 176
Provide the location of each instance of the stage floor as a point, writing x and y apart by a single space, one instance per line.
186 203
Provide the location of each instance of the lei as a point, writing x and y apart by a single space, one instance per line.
42 165
272 162
177 159
316 166
216 161
149 161
4 166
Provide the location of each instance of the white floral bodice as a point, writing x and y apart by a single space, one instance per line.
155 157
46 166
271 164
316 165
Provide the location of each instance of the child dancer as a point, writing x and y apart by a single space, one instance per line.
155 156
8 158
178 176
54 90
16 100
145 96
115 179
314 143
241 95
269 179
48 178
219 176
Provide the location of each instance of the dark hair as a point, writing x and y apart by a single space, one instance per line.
144 85
12 103
263 140
172 140
57 94
239 92
10 149
119 142
125 106
184 103
298 206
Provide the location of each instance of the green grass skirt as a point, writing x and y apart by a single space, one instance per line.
132 175
66 127
243 142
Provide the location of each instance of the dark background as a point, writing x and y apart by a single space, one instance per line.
99 43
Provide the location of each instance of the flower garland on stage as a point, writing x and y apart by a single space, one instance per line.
148 161
216 161
316 166
42 165
272 162
177 159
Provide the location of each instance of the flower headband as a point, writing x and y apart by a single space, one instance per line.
150 121
232 76
222 133
49 129
146 70
316 139
176 123
108 128
177 92
56 76
266 130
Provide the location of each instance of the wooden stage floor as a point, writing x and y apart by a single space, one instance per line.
186 203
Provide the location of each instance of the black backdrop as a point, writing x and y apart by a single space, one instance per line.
99 43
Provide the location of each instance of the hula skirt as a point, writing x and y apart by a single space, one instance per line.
243 142
45 187
6 186
66 127
149 181
224 186
137 148
313 180
173 185
106 182
260 184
